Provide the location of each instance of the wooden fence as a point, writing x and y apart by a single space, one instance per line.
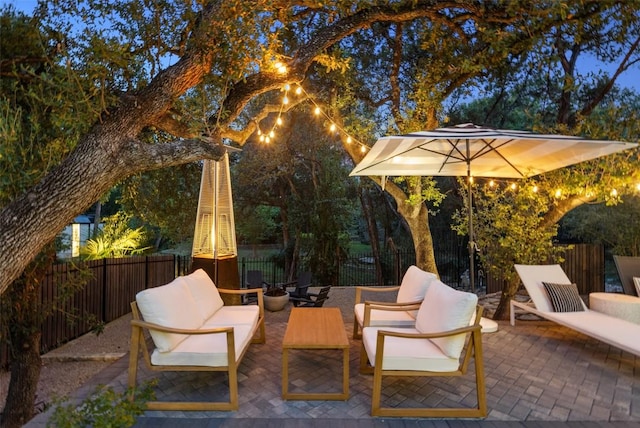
583 264
106 296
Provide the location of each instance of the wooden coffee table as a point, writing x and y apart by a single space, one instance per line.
315 328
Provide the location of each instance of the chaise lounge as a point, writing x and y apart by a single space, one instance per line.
555 298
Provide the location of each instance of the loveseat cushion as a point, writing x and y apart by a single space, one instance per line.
204 292
414 285
205 349
229 316
444 309
407 354
170 305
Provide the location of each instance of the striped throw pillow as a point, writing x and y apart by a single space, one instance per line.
564 297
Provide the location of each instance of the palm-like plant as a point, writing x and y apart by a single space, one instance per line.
116 239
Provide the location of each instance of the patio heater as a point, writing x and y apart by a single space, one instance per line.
214 241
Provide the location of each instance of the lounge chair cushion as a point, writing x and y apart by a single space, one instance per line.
170 305
564 297
444 309
204 349
414 285
204 292
407 354
532 276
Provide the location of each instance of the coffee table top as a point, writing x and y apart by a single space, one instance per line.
315 328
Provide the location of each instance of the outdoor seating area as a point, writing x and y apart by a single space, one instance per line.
534 371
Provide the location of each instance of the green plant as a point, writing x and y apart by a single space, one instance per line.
116 239
104 409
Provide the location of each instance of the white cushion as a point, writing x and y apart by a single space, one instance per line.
532 277
170 305
444 309
229 316
407 354
204 349
636 282
414 285
385 318
204 292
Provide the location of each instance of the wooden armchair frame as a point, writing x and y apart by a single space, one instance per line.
371 304
473 348
139 343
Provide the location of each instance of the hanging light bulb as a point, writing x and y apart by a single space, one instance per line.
298 90
267 139
349 142
285 100
535 189
286 87
317 111
471 179
513 186
614 193
638 187
261 138
332 128
492 183
279 120
259 131
272 134
558 193
363 149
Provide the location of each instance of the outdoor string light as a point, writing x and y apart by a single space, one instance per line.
333 126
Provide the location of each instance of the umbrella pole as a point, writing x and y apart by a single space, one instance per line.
472 244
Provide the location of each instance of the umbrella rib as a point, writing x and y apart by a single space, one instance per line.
488 145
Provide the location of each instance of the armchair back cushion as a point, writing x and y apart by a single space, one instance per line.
414 285
170 305
205 293
444 309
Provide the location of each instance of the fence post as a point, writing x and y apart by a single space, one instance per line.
104 290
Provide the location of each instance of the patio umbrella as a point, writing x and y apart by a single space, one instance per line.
473 150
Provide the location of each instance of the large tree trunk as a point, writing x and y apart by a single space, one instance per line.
23 314
367 210
25 372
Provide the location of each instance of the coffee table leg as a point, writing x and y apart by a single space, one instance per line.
285 372
345 373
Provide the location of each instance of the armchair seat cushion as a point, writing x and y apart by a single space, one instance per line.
204 349
385 318
407 354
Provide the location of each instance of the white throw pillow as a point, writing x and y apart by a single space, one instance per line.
204 292
445 309
170 305
636 281
414 285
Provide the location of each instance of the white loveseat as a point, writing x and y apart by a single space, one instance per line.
192 330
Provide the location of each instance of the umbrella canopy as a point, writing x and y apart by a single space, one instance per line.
471 150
